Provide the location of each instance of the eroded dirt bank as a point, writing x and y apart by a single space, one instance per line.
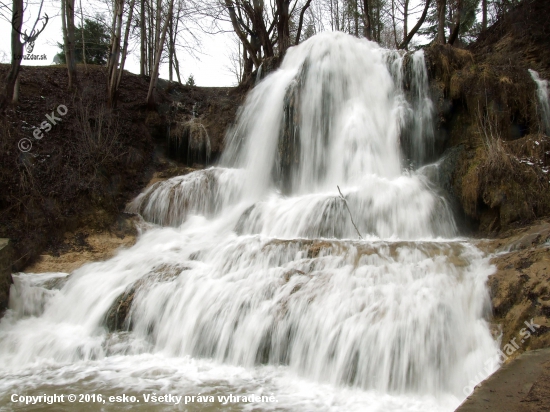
79 175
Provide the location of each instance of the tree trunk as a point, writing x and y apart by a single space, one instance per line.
170 50
283 29
456 28
143 44
409 37
177 68
393 22
301 21
15 98
159 46
367 26
441 13
125 50
175 61
112 69
356 17
380 23
150 43
248 65
83 41
16 53
484 14
405 19
68 19
242 36
158 20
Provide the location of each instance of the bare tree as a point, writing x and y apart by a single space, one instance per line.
409 36
236 60
17 10
301 21
143 41
16 53
159 47
83 40
67 22
265 29
112 67
117 57
125 44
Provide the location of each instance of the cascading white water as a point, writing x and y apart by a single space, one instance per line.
543 98
251 280
331 116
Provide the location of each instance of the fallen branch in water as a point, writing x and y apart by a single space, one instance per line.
349 211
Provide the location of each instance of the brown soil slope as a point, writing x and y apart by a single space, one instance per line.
81 173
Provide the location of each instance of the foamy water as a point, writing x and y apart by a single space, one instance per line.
250 277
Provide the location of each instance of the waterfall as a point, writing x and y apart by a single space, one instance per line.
542 96
250 277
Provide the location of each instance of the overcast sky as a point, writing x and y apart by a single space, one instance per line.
209 67
209 64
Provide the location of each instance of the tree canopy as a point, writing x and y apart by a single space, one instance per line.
96 39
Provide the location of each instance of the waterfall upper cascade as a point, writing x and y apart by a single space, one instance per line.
331 116
249 278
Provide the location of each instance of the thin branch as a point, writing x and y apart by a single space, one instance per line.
349 211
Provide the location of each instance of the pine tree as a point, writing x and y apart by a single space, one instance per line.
96 38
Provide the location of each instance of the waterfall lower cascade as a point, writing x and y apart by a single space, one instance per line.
249 278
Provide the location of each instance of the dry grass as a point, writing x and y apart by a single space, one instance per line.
515 190
497 160
99 142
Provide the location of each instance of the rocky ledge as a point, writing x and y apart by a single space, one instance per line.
520 295
520 287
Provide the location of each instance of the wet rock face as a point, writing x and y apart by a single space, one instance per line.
289 140
119 316
520 288
189 143
5 273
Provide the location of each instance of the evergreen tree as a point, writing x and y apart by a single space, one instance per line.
191 80
96 37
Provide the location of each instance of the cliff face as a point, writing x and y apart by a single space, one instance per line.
487 107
